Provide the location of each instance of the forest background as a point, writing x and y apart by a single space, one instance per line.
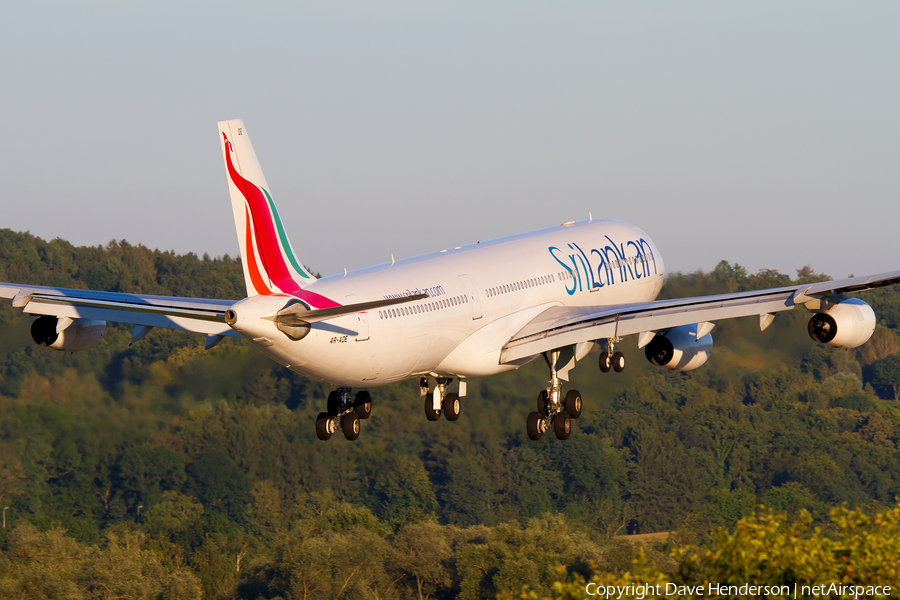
161 470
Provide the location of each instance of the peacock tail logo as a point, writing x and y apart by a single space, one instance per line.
267 244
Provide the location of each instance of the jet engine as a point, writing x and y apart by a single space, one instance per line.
679 349
846 323
79 334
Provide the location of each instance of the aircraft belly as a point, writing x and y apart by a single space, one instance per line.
339 358
479 354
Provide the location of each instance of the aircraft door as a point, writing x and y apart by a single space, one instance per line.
362 322
473 297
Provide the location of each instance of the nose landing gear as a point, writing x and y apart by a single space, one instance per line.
344 413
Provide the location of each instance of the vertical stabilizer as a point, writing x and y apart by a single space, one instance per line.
270 265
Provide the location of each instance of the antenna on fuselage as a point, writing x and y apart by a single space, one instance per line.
590 217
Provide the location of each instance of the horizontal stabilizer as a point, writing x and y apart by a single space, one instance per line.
200 315
298 314
170 311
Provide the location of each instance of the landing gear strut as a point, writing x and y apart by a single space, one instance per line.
439 401
344 413
554 412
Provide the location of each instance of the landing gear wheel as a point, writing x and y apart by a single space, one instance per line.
543 403
362 404
323 426
618 362
533 426
572 403
430 413
351 426
451 406
562 425
605 363
334 403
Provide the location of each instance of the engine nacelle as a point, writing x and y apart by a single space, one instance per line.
80 334
679 349
847 323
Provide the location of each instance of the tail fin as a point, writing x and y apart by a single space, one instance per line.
270 265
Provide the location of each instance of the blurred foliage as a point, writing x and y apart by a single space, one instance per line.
215 453
856 558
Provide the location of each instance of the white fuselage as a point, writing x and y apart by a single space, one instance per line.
480 295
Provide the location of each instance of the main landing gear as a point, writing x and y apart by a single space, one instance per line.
344 413
553 411
609 358
439 401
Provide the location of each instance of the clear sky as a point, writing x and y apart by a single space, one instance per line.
763 133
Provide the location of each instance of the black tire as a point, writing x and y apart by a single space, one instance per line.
543 403
605 363
430 413
618 362
334 403
351 426
562 425
451 406
533 426
573 403
322 426
362 404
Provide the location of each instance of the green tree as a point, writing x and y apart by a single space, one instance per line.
399 489
220 485
422 553
886 376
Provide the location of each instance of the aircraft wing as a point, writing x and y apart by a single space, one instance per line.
563 326
188 314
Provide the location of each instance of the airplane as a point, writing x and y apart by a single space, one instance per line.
451 315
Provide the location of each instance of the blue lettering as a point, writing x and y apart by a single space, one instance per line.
603 266
650 250
587 262
564 266
637 270
609 258
586 270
